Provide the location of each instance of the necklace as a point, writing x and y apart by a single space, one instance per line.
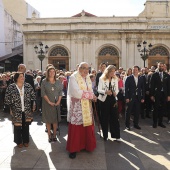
20 90
52 83
21 93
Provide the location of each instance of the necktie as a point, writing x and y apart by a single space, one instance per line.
146 76
161 76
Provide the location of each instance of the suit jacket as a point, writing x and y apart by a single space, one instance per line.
104 86
131 90
29 79
149 80
37 91
157 84
146 82
97 78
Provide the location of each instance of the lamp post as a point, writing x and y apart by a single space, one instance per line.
145 51
41 52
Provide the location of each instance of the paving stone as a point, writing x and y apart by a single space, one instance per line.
145 149
121 161
92 161
55 160
159 161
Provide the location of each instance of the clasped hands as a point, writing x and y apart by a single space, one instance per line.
53 104
109 92
128 100
153 98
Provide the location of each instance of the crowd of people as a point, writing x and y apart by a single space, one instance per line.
132 93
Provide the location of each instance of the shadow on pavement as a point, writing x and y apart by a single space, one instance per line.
28 157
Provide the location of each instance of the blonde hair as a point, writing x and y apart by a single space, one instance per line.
106 72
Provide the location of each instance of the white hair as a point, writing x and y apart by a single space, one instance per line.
22 65
82 63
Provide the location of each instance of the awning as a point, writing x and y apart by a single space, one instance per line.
15 51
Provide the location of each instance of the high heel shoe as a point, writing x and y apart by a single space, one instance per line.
54 139
50 139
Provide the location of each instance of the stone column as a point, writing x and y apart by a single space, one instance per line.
123 55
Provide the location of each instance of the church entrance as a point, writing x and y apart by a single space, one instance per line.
59 58
109 55
158 54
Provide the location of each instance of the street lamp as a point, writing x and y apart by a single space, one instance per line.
145 51
41 52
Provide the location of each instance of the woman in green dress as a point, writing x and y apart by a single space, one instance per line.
51 93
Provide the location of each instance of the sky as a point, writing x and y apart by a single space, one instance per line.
68 8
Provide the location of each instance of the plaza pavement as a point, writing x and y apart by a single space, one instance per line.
145 149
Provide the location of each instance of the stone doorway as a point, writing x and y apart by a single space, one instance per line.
158 54
153 60
109 55
110 60
59 58
59 63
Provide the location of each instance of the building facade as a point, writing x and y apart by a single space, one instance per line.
12 15
2 28
11 37
19 10
86 37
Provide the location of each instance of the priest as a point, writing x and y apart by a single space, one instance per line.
81 132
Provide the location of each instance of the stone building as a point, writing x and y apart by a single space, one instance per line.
19 10
12 15
86 37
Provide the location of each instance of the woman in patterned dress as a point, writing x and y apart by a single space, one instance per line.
51 93
19 96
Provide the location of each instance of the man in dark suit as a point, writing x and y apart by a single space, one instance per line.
145 107
160 94
102 68
28 78
134 96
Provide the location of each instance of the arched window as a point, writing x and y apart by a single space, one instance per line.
159 50
108 50
59 50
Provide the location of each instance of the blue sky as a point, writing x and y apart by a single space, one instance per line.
68 8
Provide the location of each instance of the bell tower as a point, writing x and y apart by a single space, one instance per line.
156 9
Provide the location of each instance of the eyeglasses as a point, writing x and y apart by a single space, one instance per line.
84 68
